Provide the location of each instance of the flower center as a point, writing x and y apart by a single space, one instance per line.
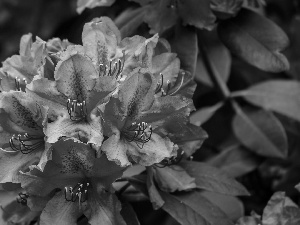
170 90
18 83
25 143
78 192
113 69
77 110
22 198
139 133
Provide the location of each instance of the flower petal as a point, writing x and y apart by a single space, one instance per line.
153 151
12 163
100 39
58 211
116 150
103 206
89 132
75 77
82 4
20 114
138 53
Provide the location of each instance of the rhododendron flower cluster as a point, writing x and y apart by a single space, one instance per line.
74 117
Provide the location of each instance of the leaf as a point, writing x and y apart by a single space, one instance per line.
128 214
129 20
235 160
192 208
281 211
173 178
255 39
212 179
261 132
82 4
204 114
196 13
281 96
230 205
220 59
185 45
154 195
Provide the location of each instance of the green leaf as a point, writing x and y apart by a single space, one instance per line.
154 195
129 20
235 160
82 4
196 13
255 39
281 96
230 205
204 114
192 208
128 214
261 132
281 211
185 45
220 59
212 179
173 178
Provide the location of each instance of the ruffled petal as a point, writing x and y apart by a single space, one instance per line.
103 206
116 150
58 211
13 162
138 54
21 114
75 77
89 132
153 151
100 39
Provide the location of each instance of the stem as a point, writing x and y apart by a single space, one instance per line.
219 83
123 189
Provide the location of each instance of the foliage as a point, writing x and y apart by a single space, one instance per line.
190 108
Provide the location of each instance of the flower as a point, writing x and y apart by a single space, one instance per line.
75 182
21 134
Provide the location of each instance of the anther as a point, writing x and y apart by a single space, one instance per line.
113 69
77 110
25 143
79 192
139 133
22 198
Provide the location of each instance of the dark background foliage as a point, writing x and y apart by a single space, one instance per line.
255 140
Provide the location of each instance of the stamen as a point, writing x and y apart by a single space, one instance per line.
77 110
171 161
22 198
139 133
25 143
80 192
18 83
114 69
169 90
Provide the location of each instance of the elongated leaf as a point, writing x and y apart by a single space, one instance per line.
281 96
230 205
185 45
153 192
220 59
255 39
193 209
204 114
174 178
236 160
196 13
212 179
261 132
